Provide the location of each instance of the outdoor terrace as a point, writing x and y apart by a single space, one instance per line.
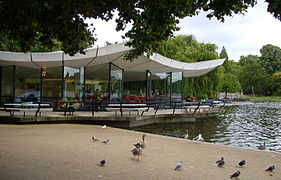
116 114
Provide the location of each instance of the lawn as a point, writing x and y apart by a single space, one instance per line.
262 98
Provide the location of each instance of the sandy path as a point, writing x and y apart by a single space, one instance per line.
65 151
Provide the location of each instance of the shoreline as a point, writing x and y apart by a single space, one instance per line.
65 151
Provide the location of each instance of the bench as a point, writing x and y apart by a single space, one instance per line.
218 104
203 106
163 104
127 107
197 106
26 107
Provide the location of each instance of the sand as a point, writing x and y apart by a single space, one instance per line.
66 151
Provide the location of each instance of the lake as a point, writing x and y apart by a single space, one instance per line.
243 126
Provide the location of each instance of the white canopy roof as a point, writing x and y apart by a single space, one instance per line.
95 57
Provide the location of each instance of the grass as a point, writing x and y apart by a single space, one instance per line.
262 98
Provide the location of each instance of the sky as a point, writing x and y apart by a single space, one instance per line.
240 34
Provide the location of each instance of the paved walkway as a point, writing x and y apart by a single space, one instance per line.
65 151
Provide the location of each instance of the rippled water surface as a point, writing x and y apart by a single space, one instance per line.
242 126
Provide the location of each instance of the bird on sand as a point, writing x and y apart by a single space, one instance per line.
198 138
262 146
235 175
102 162
179 166
137 152
95 139
105 141
270 168
241 163
185 135
141 144
220 162
103 127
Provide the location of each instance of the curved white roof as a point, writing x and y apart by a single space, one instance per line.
114 53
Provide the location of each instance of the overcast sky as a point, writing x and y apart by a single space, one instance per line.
240 35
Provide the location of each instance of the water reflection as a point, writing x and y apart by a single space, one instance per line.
242 126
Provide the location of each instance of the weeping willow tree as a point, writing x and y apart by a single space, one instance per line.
187 49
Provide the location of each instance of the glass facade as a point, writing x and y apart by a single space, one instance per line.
116 83
73 81
7 85
52 84
176 86
134 86
27 82
95 83
161 83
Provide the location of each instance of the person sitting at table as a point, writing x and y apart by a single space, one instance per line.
96 94
76 97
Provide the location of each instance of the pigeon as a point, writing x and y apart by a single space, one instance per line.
235 175
262 146
105 141
185 136
102 162
220 162
241 163
179 166
94 139
103 127
137 152
270 168
198 138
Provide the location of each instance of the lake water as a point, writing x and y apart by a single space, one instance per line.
242 126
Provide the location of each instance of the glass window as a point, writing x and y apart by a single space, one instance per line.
116 79
52 84
161 86
7 83
134 86
96 82
72 86
176 88
27 84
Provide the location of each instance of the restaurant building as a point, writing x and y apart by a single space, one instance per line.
100 74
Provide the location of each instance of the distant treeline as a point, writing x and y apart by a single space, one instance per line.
252 74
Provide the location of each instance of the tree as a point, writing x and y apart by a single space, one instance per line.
13 45
271 58
63 20
230 66
253 75
230 84
187 49
277 83
223 53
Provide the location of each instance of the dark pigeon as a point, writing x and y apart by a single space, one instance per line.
220 162
94 139
105 141
242 163
270 168
235 175
102 162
